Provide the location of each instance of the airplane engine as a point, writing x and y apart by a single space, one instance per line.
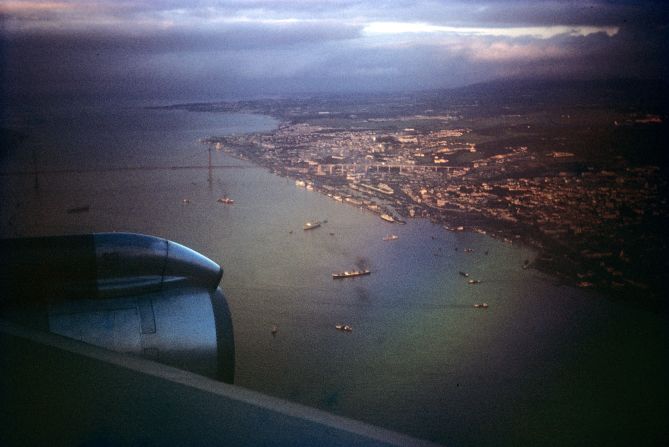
126 292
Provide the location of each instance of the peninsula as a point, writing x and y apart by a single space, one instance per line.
574 169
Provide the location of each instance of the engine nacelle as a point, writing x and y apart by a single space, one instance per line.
126 292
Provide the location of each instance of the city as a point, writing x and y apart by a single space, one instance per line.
597 222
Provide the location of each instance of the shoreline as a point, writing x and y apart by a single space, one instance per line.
553 261
597 222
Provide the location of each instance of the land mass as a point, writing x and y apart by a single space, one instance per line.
575 169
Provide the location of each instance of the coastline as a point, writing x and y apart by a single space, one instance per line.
554 259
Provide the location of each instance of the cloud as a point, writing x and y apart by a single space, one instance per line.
572 13
173 38
32 7
152 47
510 51
545 32
145 14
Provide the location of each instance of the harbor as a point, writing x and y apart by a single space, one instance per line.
420 358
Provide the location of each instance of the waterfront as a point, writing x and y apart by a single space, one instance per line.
545 364
596 219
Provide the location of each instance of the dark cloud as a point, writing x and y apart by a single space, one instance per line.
592 13
229 37
222 48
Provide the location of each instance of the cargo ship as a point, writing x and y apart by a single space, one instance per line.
311 225
350 274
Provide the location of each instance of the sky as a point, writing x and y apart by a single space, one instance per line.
224 49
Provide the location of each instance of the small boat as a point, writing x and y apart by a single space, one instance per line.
481 306
391 237
350 274
226 200
274 330
469 250
311 225
465 274
185 201
343 327
473 281
387 218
